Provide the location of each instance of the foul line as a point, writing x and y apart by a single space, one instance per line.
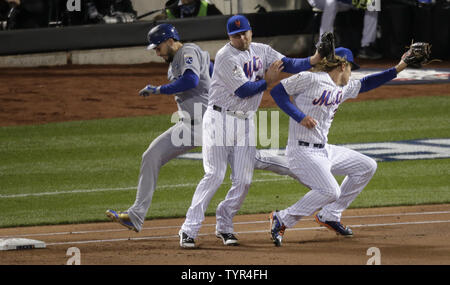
168 186
244 232
213 225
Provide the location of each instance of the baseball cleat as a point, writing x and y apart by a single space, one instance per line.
121 218
276 228
337 227
185 240
227 238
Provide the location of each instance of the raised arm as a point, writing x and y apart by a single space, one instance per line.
376 80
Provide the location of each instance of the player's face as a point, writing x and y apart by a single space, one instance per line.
165 51
242 40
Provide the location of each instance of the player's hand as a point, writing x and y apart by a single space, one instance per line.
150 89
308 122
273 73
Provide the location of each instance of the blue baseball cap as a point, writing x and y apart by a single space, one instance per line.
347 55
237 24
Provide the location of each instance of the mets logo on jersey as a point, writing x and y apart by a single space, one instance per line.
188 59
253 66
327 100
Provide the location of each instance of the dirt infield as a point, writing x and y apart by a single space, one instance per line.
68 93
404 235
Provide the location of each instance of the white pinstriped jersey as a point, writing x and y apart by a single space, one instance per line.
317 96
233 68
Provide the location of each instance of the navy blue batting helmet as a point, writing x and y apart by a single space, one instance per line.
161 33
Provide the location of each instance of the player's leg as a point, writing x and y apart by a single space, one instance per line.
242 166
369 36
242 162
370 28
266 160
160 151
358 169
215 166
313 169
330 9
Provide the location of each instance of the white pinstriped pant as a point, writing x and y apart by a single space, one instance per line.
219 149
162 150
315 168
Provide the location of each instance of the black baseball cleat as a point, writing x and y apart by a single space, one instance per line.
185 240
227 238
337 227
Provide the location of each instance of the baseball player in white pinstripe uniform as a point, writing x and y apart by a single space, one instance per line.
189 73
243 70
316 98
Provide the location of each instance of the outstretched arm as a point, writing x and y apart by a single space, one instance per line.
376 80
417 55
187 81
400 66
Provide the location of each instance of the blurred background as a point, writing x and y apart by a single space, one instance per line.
56 32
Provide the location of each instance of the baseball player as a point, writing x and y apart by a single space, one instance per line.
189 72
242 71
316 98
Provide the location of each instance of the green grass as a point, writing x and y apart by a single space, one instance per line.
105 154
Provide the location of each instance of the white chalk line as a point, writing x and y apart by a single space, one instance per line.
243 232
167 186
213 225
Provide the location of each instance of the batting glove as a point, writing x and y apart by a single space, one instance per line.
150 89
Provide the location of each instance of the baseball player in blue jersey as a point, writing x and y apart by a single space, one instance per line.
316 98
243 70
190 75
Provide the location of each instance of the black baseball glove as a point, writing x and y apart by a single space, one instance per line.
417 55
325 47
